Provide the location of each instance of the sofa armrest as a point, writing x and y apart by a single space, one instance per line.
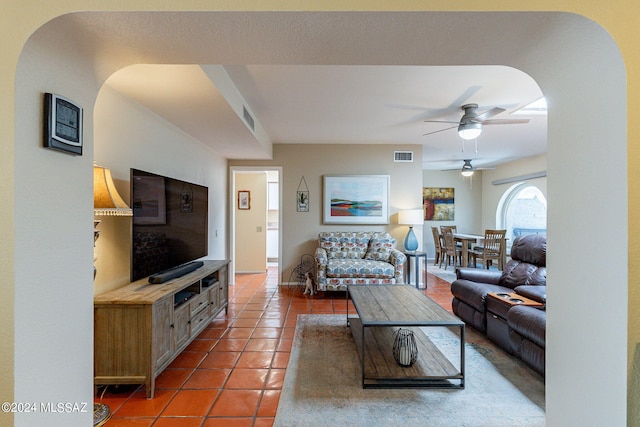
478 275
321 267
397 258
529 322
534 292
321 257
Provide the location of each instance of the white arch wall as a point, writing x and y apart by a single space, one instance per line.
573 60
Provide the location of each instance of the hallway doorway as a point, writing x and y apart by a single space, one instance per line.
255 219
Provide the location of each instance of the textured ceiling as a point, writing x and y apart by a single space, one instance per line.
322 77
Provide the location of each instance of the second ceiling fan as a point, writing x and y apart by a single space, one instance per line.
470 125
468 168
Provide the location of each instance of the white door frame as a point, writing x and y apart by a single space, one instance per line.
233 170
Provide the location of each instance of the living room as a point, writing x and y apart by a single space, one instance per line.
155 142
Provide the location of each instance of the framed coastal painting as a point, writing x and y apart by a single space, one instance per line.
356 199
438 203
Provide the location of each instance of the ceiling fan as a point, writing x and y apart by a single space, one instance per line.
470 125
468 168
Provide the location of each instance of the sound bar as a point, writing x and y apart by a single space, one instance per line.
174 272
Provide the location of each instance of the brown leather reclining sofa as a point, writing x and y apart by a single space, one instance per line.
519 330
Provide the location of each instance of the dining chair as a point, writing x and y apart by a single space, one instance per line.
453 228
492 249
439 245
450 248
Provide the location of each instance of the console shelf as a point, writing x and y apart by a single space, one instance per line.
139 329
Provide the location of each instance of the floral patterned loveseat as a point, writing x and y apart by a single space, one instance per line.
366 257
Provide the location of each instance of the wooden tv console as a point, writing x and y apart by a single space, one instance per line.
140 328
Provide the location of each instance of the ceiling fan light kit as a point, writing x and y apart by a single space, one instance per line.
469 130
470 124
470 127
467 169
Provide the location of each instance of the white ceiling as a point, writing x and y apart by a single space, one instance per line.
326 103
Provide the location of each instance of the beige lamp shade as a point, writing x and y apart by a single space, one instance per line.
410 217
106 200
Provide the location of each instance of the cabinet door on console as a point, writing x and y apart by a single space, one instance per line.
224 287
214 301
162 340
181 325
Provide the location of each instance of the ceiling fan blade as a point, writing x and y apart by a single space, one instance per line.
441 130
488 114
453 108
505 121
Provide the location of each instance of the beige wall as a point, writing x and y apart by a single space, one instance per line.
53 285
300 229
130 136
251 225
468 199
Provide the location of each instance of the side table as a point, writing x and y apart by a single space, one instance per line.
417 266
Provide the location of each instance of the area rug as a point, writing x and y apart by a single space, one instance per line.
448 275
322 386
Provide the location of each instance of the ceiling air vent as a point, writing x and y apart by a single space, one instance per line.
247 118
403 156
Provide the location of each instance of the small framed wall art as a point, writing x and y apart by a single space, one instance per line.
244 200
302 196
62 124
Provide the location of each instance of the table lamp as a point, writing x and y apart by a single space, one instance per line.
410 217
106 201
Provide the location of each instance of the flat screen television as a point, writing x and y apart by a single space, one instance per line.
170 223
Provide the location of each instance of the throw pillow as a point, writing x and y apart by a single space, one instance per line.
379 250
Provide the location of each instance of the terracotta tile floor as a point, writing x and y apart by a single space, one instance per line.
232 374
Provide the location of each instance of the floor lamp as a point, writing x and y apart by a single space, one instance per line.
106 201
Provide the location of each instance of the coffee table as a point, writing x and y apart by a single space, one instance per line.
381 310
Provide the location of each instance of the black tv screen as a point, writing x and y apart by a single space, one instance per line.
170 223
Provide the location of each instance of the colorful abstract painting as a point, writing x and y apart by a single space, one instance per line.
438 203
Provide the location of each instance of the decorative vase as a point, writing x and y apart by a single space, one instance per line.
405 349
411 242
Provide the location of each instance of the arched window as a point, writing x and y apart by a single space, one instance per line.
522 210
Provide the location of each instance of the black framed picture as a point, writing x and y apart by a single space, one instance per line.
62 124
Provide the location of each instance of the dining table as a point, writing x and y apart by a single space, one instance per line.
466 240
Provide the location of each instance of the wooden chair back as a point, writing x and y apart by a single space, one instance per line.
437 238
454 228
449 241
494 242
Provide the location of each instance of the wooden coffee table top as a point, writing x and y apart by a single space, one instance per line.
404 305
